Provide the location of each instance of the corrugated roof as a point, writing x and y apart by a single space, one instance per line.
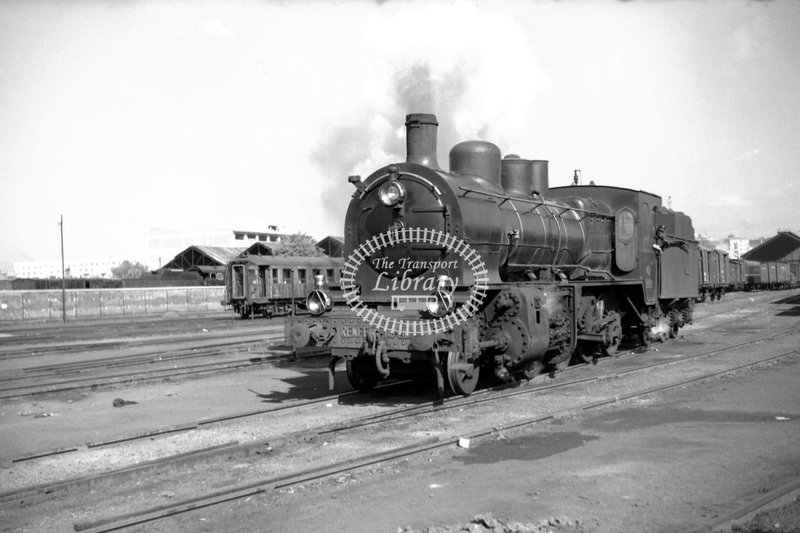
203 255
332 237
220 253
261 248
775 249
331 245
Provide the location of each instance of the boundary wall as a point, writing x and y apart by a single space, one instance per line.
16 306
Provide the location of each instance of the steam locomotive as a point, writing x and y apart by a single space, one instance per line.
486 269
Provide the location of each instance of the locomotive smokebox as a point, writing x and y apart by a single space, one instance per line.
516 175
477 158
541 176
421 140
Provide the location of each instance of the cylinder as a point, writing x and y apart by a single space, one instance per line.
516 175
478 158
541 176
421 139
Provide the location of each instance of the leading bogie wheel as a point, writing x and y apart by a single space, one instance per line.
361 374
613 337
673 330
644 336
462 376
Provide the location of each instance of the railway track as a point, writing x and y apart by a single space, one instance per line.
783 495
61 347
350 427
478 396
94 373
269 484
14 333
193 425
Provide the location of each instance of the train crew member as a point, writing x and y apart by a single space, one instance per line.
662 241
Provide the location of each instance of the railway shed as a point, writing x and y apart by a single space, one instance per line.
332 246
785 246
209 261
260 248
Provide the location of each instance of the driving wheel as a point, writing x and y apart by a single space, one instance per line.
362 374
462 375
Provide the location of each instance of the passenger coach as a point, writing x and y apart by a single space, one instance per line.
266 285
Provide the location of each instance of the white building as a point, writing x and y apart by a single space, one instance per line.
81 268
738 247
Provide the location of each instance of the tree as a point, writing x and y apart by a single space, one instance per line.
298 244
129 270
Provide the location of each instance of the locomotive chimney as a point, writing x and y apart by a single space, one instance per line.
421 140
541 176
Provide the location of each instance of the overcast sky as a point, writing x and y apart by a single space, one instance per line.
124 116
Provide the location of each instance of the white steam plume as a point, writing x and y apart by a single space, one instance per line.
476 71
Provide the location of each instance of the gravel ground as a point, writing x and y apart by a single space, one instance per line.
784 519
669 462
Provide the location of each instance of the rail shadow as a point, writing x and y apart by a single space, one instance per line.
789 300
310 382
795 299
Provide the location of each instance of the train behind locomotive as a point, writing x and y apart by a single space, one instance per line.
720 274
268 285
487 269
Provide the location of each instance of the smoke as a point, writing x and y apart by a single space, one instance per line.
476 72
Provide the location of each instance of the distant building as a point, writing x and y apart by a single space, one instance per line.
332 246
737 247
209 261
785 246
165 243
81 268
271 235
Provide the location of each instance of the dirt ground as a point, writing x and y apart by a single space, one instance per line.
677 460
673 461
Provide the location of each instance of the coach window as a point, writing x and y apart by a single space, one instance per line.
329 274
315 272
301 275
287 275
274 276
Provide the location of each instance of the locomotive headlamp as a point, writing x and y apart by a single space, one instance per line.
392 193
441 301
318 301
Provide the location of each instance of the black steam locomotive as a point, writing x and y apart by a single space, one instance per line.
485 268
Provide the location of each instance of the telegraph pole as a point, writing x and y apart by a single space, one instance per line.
63 281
